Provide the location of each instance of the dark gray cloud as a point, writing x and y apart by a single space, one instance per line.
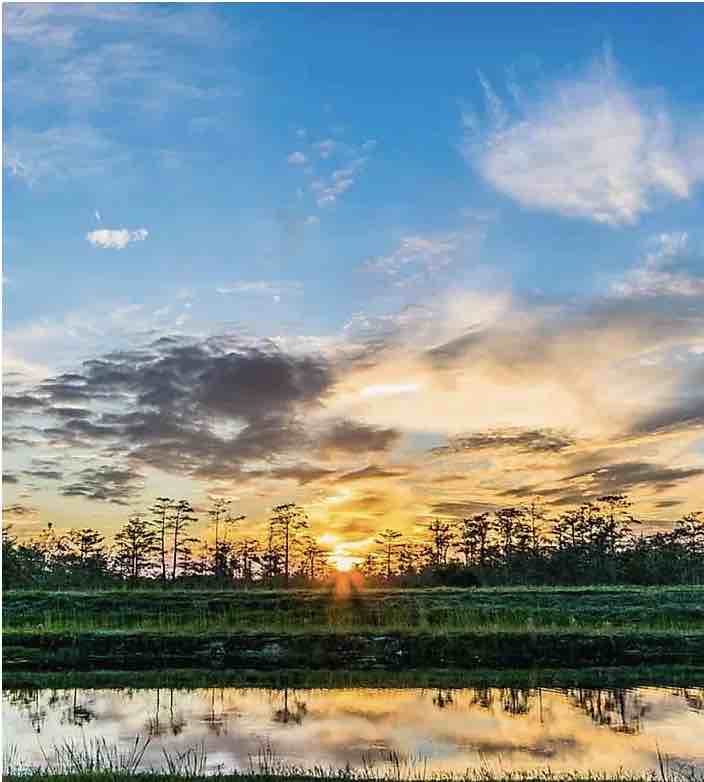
9 477
19 511
45 472
199 408
524 440
302 473
625 476
353 437
370 472
106 483
70 412
21 403
461 509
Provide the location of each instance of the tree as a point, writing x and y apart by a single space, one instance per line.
690 529
440 542
219 513
288 520
388 540
474 537
312 553
180 519
508 522
161 511
536 517
247 551
135 545
81 553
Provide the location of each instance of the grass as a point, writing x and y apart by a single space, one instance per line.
189 679
603 609
376 628
97 761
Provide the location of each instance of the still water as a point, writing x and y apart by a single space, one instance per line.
443 730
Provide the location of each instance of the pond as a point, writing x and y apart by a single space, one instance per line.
443 730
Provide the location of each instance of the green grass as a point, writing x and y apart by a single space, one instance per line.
97 761
600 609
392 628
189 679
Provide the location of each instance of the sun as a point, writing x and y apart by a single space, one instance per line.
343 562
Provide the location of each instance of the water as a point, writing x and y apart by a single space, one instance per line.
444 730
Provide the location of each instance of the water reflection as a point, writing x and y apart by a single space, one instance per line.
451 729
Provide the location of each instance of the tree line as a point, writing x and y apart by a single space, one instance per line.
597 543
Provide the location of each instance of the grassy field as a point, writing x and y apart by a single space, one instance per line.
464 628
302 611
99 761
189 679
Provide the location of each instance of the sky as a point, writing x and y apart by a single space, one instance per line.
393 263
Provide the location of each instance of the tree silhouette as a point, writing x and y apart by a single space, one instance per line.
219 513
161 511
179 520
441 539
135 544
388 540
288 520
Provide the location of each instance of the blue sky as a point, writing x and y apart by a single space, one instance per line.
367 185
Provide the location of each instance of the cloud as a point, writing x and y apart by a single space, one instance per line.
85 55
593 147
105 483
62 152
19 511
419 257
297 159
201 408
524 440
523 398
370 472
261 288
461 509
624 477
352 437
328 189
44 474
116 238
302 473
663 271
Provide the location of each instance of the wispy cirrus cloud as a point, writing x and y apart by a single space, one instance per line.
273 288
665 270
591 147
64 152
328 189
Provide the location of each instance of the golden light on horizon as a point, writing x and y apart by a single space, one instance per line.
342 561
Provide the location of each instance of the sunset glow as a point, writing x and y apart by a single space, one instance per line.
384 294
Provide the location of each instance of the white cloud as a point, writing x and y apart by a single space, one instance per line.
261 288
59 153
296 159
431 253
329 190
59 53
660 273
418 256
116 238
593 148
